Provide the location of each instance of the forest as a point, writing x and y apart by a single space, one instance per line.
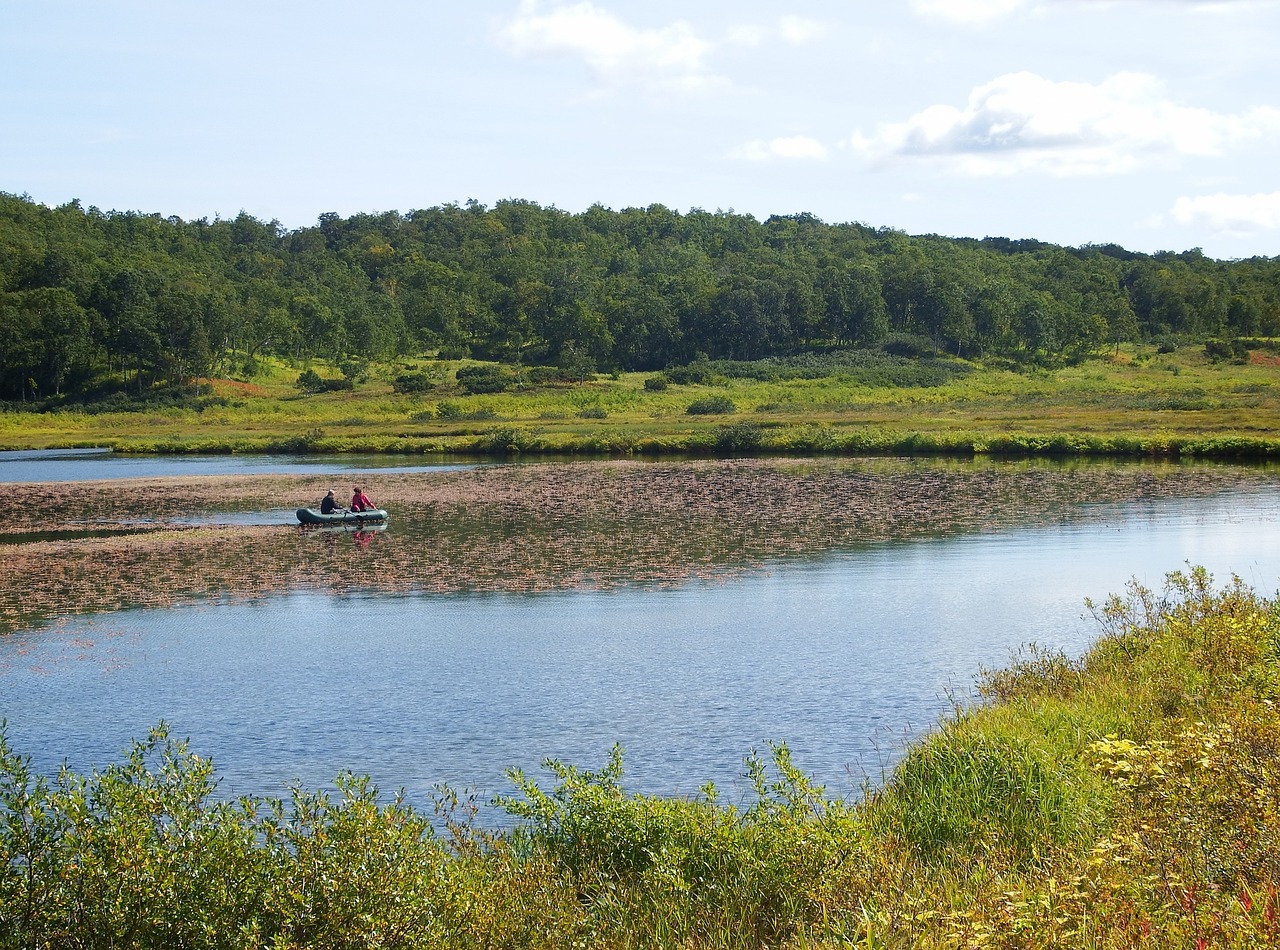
94 302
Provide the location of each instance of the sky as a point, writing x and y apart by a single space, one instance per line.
1153 124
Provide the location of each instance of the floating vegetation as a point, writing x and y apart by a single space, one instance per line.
533 528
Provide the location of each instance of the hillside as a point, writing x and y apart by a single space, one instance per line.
93 302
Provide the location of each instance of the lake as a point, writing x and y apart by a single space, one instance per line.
692 612
104 465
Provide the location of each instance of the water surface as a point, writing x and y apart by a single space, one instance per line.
73 465
841 650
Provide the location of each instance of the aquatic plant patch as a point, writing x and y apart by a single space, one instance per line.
535 527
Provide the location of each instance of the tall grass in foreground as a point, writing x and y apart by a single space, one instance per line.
1127 798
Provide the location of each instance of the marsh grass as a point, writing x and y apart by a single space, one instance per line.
1129 797
1146 404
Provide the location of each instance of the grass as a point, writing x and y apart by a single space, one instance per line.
1130 797
1131 403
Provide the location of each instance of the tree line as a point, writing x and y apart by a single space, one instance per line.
143 300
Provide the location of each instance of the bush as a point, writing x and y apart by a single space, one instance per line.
694 374
544 375
593 412
413 383
738 437
167 398
506 440
356 371
1222 350
452 412
309 381
142 854
656 384
488 378
711 406
866 367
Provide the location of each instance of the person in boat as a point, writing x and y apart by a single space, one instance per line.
330 504
360 501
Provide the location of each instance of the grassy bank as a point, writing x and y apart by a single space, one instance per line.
1139 402
1128 798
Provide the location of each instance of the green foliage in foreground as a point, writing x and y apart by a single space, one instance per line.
1127 798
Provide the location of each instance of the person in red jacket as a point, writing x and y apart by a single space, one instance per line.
360 501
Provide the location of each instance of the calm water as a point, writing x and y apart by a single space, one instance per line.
73 465
840 655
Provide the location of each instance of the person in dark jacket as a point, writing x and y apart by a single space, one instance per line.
330 504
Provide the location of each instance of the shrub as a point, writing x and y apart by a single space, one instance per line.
452 412
656 384
356 371
506 440
302 443
487 378
413 383
543 375
738 437
694 373
711 406
311 382
141 854
1222 350
166 398
593 412
865 367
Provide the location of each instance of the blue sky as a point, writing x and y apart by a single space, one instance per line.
1154 124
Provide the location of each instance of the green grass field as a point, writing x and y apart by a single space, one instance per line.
1132 402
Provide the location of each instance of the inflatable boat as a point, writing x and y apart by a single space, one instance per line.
313 516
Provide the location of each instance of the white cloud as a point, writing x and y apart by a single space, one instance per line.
798 147
1235 215
966 11
799 30
672 57
748 35
1022 122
